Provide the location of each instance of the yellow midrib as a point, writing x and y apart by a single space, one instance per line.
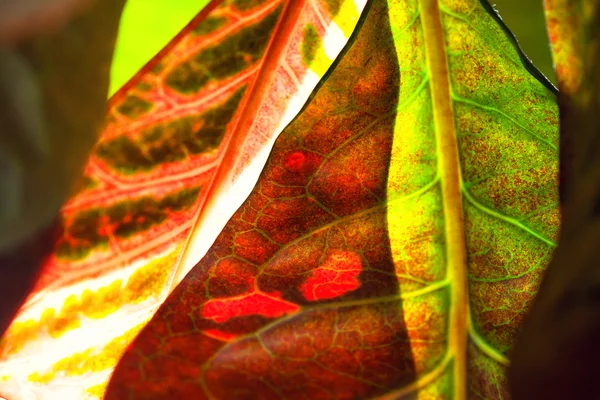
449 170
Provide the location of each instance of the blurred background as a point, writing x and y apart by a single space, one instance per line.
526 19
148 25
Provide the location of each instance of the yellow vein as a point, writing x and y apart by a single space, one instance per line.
449 169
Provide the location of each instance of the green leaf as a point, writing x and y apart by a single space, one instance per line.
395 238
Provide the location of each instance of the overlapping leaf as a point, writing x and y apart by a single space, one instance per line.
567 20
187 136
569 23
395 238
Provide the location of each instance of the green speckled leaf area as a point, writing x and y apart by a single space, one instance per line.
484 233
395 238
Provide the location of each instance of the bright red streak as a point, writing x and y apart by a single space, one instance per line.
337 276
267 305
219 335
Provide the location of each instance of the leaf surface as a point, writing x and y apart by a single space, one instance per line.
184 143
394 239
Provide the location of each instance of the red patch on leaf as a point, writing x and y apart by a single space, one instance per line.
267 305
335 277
295 161
219 335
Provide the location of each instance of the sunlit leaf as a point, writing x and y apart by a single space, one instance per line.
184 144
395 238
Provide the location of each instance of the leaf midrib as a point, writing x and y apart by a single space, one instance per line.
449 170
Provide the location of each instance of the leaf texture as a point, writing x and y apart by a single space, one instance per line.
395 238
184 141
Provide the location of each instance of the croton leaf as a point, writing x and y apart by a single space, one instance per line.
183 146
395 238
